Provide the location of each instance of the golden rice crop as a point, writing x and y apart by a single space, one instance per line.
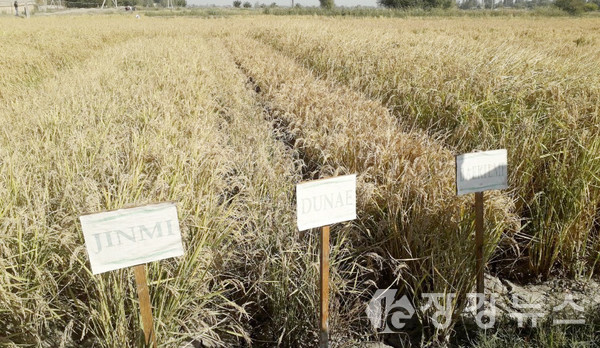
407 203
31 52
225 116
531 86
145 120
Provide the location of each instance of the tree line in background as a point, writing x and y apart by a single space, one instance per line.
570 6
110 3
577 6
427 4
247 4
327 4
573 7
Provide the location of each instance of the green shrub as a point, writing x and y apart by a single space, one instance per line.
572 7
427 4
327 4
590 6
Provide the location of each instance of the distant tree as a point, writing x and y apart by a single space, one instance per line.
327 4
519 4
416 3
398 3
591 6
247 4
438 3
536 3
573 7
237 3
468 4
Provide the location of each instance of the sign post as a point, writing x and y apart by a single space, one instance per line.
145 307
133 237
324 303
479 212
321 203
478 172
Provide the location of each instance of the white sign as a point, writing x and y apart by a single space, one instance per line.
129 237
481 171
327 201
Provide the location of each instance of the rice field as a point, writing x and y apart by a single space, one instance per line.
226 115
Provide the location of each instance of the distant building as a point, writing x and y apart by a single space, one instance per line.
7 7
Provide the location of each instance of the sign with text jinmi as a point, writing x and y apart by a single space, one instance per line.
325 202
128 237
481 171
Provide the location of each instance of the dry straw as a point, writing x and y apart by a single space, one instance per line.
225 116
529 86
155 117
408 208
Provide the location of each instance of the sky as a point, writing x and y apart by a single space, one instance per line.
284 2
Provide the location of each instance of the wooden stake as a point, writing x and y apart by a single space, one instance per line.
324 338
479 240
145 308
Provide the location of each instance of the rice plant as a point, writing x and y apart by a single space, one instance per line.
529 86
225 115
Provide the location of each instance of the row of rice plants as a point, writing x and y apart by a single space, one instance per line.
165 117
39 48
410 221
531 86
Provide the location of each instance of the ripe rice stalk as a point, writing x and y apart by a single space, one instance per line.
406 200
129 127
528 85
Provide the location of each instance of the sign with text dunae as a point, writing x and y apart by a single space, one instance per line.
129 237
321 203
326 201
